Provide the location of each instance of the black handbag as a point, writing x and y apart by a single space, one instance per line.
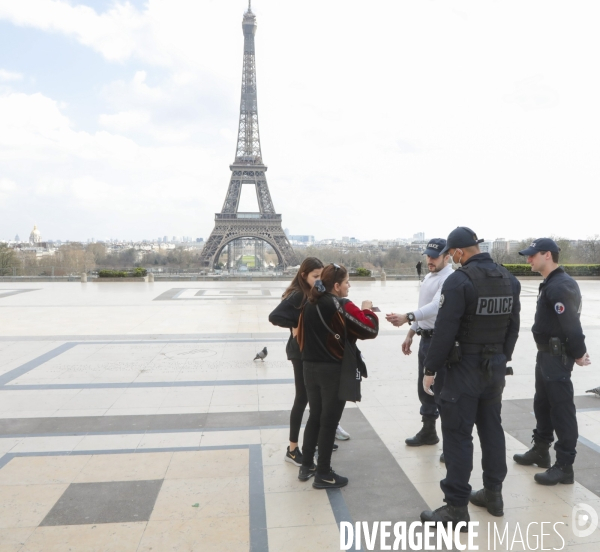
350 374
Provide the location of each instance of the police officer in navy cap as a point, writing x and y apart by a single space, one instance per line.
422 321
475 333
561 344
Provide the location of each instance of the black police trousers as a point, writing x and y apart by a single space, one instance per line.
429 408
470 397
554 407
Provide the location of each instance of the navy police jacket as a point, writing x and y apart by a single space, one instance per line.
458 295
557 313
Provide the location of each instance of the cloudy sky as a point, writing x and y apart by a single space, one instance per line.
378 119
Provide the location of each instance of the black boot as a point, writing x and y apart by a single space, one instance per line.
427 435
447 514
538 454
559 473
492 500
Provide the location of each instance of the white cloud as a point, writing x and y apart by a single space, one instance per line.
115 34
8 76
7 187
369 110
94 183
124 120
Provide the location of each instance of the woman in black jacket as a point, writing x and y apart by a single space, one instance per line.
328 315
286 315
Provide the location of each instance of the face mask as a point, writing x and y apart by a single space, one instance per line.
460 259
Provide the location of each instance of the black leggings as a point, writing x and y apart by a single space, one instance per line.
300 400
322 385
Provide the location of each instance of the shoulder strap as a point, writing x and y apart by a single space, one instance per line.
341 311
337 336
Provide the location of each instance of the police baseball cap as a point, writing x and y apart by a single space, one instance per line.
541 244
435 247
461 236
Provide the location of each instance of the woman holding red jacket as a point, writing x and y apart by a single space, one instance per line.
286 315
322 359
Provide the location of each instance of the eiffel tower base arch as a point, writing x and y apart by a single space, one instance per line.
226 232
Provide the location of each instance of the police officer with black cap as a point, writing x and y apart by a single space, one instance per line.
560 342
475 333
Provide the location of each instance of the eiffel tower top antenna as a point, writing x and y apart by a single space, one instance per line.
248 144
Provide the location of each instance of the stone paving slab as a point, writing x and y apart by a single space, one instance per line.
104 387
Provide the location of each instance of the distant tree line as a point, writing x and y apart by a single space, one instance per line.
73 258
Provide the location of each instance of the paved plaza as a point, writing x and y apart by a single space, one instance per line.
133 418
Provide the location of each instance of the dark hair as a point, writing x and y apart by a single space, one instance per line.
299 282
332 274
554 255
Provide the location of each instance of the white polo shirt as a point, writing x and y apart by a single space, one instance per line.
429 298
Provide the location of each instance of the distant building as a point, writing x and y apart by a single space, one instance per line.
199 240
486 246
17 239
419 236
500 245
417 246
302 239
35 236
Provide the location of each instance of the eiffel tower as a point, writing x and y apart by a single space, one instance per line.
248 168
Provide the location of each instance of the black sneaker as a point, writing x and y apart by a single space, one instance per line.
294 457
330 480
306 472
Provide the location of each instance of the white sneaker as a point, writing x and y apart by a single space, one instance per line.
341 434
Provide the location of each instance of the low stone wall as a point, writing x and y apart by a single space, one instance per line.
140 279
40 279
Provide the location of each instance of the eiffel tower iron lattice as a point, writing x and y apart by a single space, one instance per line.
248 169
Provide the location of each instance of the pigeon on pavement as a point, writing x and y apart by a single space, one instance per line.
596 391
262 355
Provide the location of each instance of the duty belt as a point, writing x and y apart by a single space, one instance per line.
477 349
546 348
556 348
425 333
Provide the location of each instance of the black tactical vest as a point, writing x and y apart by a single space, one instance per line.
486 321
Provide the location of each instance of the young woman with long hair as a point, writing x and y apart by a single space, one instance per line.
328 308
286 315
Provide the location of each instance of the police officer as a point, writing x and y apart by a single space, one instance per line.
560 343
475 333
424 320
